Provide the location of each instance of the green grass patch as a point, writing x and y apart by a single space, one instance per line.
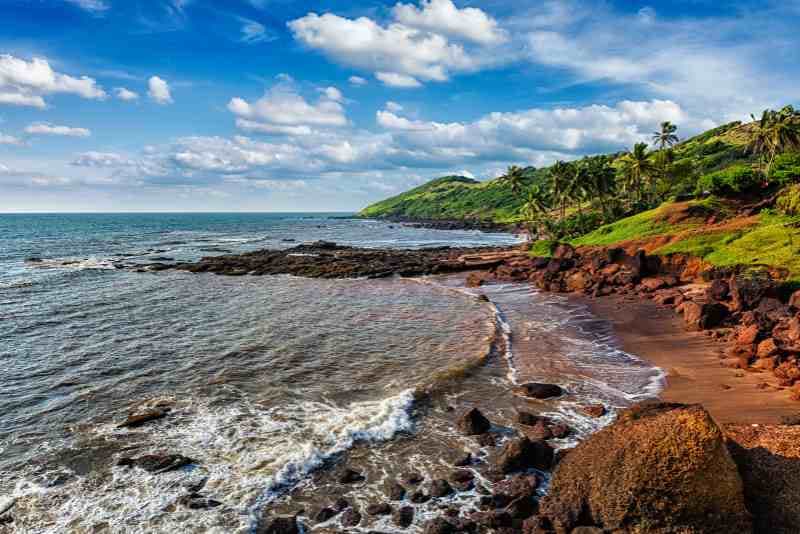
641 225
542 248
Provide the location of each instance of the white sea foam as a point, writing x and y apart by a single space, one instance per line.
74 264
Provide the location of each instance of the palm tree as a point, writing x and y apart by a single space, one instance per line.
637 167
666 137
601 181
535 208
559 183
775 132
515 179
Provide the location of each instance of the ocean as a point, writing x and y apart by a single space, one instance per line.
275 383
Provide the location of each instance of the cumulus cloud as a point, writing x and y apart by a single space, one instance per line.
357 81
6 139
101 160
24 83
44 128
125 94
442 16
282 110
402 55
394 107
159 91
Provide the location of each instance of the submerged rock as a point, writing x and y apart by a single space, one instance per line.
157 463
441 488
403 517
522 453
350 518
136 420
662 465
351 476
279 525
379 509
536 390
473 423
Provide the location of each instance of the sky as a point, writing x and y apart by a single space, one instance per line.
281 105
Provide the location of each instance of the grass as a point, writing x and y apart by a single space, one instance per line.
645 224
542 248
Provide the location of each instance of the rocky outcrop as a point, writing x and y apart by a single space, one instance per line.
473 423
536 390
661 468
523 453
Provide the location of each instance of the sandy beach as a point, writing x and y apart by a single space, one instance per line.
692 363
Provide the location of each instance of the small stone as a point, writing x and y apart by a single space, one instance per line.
379 509
441 488
419 497
351 518
538 390
325 514
412 478
464 461
404 517
594 410
396 492
351 476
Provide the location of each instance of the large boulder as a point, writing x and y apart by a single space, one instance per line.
748 289
522 453
473 423
703 316
660 468
536 390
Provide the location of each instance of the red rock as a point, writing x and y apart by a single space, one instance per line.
748 335
594 410
473 423
794 300
767 348
522 453
703 316
476 280
578 281
564 251
653 284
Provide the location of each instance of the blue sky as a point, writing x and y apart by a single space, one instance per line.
260 105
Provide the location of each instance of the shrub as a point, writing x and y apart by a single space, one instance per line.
729 182
785 169
788 201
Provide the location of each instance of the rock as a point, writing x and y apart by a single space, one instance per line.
650 285
403 517
748 335
136 420
487 440
379 509
464 461
564 251
594 410
703 316
718 290
587 530
396 492
412 478
662 465
541 430
473 423
157 463
439 525
475 280
767 348
493 519
748 289
522 453
537 390
560 430
341 505
279 525
419 497
515 487
351 476
325 514
578 281
350 518
791 420
527 418
522 508
195 501
441 488
794 301
462 479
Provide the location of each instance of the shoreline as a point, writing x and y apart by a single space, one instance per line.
691 363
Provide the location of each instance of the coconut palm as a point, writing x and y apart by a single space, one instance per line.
515 179
637 168
559 183
535 209
775 133
601 181
666 137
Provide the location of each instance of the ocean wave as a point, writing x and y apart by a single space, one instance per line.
72 263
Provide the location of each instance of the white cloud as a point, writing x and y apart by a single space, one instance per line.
282 106
254 32
332 93
125 94
402 54
101 159
159 91
6 139
394 107
24 83
442 16
394 79
357 81
263 127
93 6
43 128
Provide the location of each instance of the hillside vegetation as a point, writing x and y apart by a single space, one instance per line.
730 196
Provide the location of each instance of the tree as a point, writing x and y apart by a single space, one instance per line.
601 181
776 132
666 137
535 209
559 183
515 179
637 168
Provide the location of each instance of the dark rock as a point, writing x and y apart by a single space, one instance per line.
719 290
522 508
396 492
493 519
660 464
473 423
6 519
794 301
747 290
464 461
540 430
516 487
341 505
560 430
195 501
529 419
411 478
379 509
522 453
136 420
486 440
351 476
564 251
404 517
439 525
594 410
157 463
462 479
279 525
441 488
419 497
791 420
537 390
325 514
350 518
702 316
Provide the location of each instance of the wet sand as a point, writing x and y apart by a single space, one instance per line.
691 361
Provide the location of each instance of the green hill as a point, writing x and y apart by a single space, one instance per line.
455 198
